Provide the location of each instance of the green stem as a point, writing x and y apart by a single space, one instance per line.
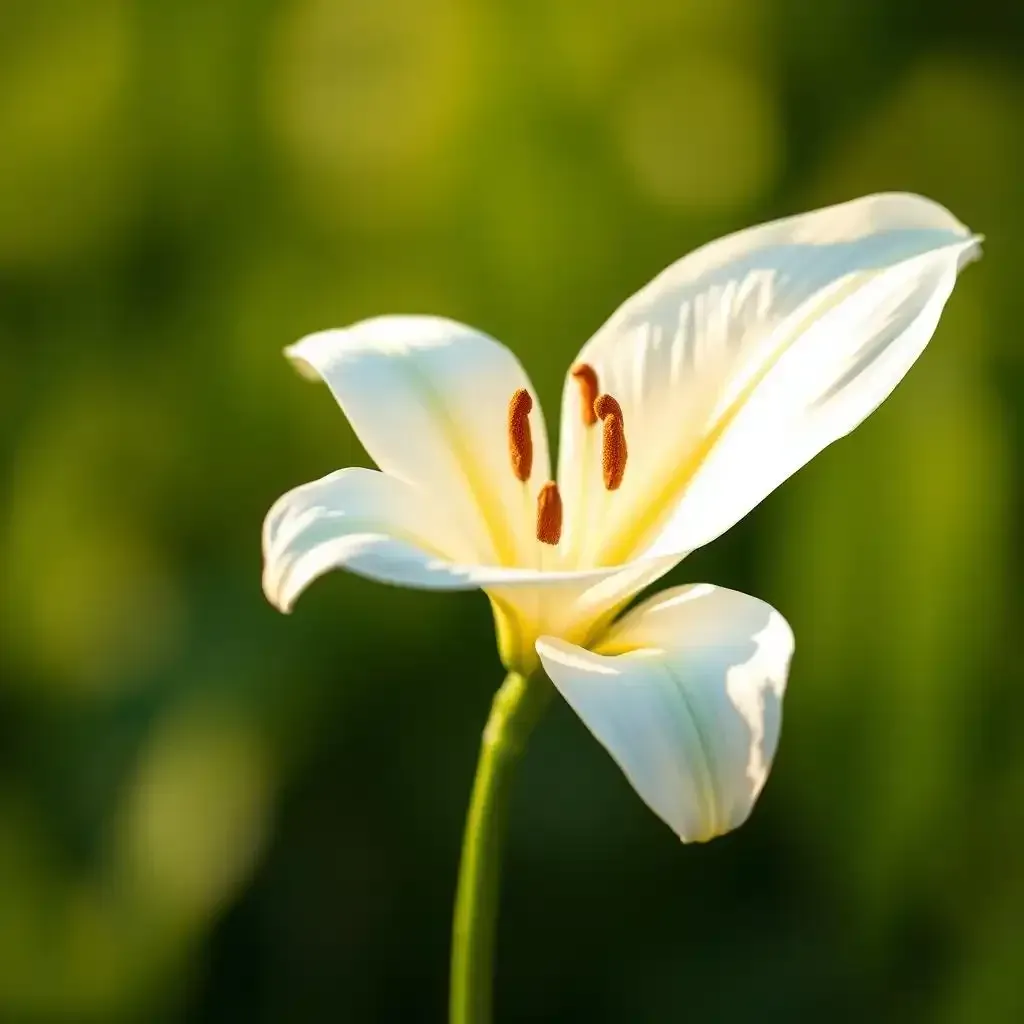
516 708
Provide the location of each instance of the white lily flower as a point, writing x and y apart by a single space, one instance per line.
701 394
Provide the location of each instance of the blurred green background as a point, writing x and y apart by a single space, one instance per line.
213 813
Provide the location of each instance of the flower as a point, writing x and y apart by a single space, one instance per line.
701 394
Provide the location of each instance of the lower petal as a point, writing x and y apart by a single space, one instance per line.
360 520
685 693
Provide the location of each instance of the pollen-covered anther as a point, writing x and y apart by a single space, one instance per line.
520 440
549 514
613 441
586 376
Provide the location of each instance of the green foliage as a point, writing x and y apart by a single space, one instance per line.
209 812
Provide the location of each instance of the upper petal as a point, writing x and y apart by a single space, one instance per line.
428 398
685 693
741 361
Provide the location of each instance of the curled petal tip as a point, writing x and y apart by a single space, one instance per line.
688 702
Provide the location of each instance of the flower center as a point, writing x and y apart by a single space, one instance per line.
594 406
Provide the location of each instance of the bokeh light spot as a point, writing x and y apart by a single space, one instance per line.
65 146
365 99
196 813
600 45
951 128
704 133
88 598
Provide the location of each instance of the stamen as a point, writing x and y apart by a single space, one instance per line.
520 440
586 377
613 441
549 514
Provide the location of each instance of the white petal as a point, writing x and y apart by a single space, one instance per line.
687 699
356 519
747 357
821 387
428 398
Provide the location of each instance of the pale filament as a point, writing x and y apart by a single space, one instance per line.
589 389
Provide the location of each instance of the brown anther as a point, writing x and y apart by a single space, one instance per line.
613 441
549 514
605 405
520 440
586 377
